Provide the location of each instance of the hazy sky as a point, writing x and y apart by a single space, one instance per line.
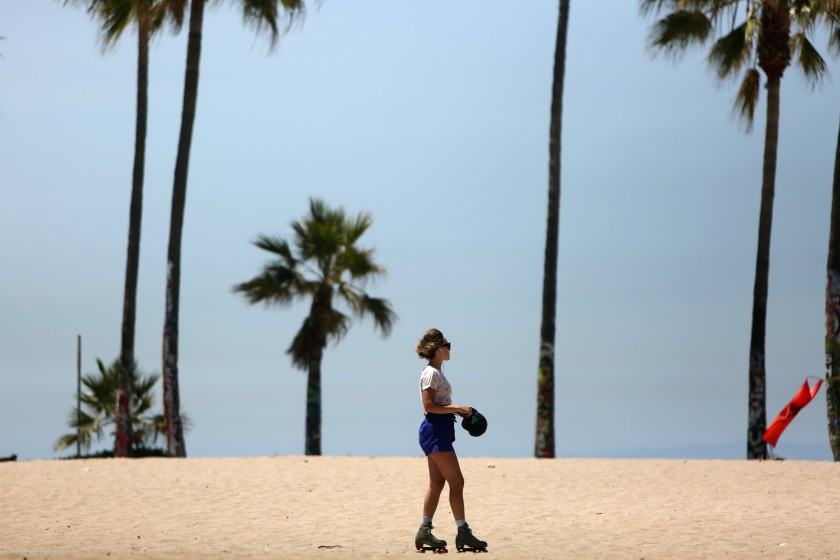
433 117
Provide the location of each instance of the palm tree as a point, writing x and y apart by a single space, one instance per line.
832 305
100 400
763 40
544 438
321 262
263 14
150 16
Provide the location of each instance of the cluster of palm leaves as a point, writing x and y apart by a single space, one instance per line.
98 414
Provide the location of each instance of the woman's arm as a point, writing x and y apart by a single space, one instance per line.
429 405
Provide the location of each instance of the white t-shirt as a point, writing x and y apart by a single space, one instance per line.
433 378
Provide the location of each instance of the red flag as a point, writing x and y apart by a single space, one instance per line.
788 413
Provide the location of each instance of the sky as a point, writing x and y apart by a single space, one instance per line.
433 117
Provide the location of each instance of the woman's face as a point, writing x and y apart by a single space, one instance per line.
445 348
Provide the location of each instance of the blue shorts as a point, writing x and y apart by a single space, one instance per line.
437 432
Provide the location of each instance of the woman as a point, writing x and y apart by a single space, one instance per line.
437 432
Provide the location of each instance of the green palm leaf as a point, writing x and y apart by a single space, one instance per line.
808 59
730 53
678 31
747 98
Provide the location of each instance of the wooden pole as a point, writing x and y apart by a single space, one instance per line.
78 396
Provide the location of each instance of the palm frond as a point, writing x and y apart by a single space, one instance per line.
382 313
85 426
648 7
352 297
322 240
362 305
356 227
747 98
338 325
276 285
277 245
730 53
808 59
116 16
834 40
652 7
678 31
169 13
359 264
321 324
318 210
264 15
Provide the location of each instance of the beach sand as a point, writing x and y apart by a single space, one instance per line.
341 507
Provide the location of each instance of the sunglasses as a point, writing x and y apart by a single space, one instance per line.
448 346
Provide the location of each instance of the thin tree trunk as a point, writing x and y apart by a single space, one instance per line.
832 315
544 437
172 407
125 436
757 414
313 406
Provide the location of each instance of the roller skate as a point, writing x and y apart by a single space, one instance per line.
425 540
466 541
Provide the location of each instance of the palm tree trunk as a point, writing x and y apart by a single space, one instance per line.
174 427
832 314
123 447
757 412
313 405
544 437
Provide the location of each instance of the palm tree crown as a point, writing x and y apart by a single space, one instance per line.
769 35
115 16
321 261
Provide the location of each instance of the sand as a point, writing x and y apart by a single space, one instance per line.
342 507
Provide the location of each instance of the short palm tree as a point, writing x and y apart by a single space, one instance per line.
100 409
263 15
321 263
149 16
771 35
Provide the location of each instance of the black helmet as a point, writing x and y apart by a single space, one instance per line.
475 424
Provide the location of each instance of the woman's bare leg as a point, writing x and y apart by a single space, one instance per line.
436 484
446 463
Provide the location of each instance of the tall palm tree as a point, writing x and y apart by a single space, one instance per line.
771 35
544 437
100 401
263 15
832 315
150 16
321 262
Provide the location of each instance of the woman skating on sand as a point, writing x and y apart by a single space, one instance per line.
437 432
